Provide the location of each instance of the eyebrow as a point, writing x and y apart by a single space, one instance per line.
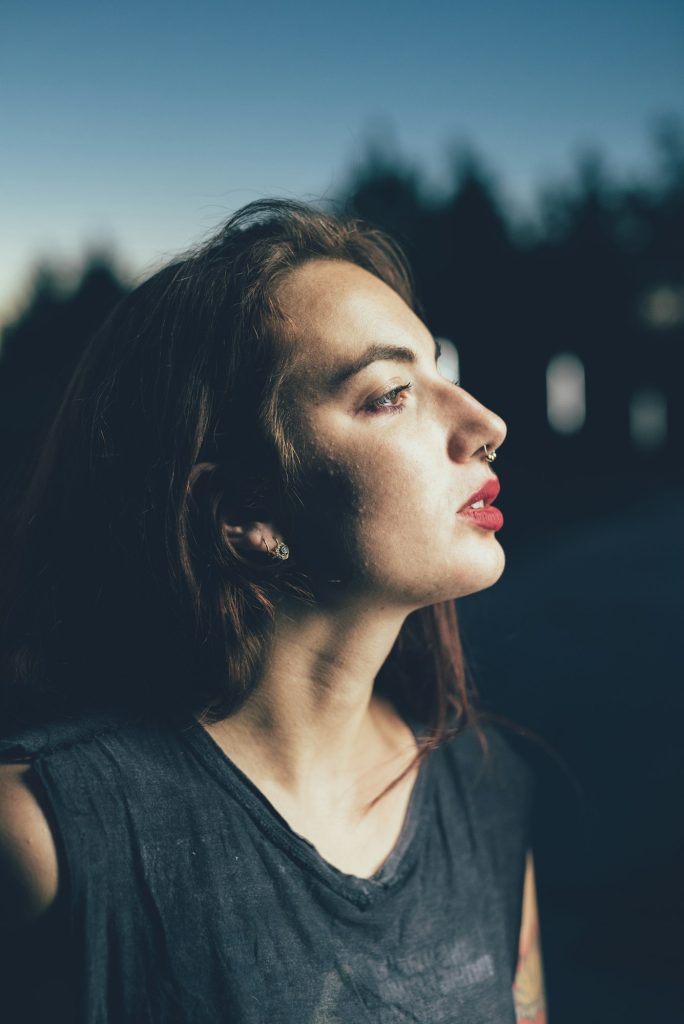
374 354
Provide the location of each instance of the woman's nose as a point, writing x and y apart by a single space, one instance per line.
473 426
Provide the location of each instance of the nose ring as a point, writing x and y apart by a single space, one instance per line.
489 456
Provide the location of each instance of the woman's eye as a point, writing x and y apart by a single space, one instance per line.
389 399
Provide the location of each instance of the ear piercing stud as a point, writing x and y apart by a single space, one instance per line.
279 550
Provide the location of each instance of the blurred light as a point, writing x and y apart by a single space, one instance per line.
648 419
663 307
448 364
565 401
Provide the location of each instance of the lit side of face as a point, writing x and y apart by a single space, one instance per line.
390 448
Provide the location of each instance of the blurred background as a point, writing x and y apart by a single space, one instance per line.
530 159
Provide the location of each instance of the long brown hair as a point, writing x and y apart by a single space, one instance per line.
119 586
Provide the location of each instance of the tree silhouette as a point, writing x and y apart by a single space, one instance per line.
601 277
39 353
602 253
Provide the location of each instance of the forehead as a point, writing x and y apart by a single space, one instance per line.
335 309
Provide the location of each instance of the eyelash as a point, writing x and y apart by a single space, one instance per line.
379 403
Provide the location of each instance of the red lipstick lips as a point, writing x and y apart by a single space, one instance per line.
485 516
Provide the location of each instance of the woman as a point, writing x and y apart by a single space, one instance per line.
258 790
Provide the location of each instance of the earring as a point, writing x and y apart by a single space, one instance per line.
280 550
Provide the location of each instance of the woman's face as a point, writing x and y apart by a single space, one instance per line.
390 448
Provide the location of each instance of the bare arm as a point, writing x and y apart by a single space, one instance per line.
28 859
528 986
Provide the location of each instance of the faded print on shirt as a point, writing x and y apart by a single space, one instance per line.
431 985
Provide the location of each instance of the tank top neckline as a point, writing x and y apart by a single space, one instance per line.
359 890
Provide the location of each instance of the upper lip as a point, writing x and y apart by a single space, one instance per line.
486 493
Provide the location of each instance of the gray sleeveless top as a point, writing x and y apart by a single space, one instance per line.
186 897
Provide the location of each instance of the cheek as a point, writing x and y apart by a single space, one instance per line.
341 510
394 504
361 512
396 487
386 517
321 517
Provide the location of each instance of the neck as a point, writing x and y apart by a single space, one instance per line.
313 724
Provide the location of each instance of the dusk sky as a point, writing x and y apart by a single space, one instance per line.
141 126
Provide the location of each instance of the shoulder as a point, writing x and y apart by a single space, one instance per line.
28 857
489 758
55 779
487 770
89 748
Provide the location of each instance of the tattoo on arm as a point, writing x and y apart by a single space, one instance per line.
528 986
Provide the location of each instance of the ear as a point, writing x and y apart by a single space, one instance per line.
253 536
249 536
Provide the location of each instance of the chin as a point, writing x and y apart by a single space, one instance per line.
487 580
483 572
493 571
478 578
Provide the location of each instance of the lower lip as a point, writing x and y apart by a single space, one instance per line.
489 518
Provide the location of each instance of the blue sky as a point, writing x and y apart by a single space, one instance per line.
142 125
